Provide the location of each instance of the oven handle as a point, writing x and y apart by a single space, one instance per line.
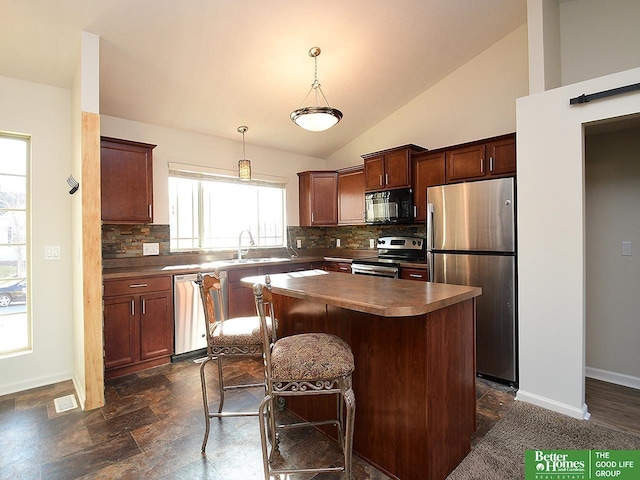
372 269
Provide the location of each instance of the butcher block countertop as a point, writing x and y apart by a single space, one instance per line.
387 297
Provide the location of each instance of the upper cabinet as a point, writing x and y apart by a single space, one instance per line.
389 169
428 171
126 181
318 192
351 196
495 157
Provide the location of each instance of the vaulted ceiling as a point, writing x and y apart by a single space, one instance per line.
209 66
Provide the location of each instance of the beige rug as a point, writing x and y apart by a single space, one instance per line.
500 453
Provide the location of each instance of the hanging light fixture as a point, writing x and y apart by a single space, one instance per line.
244 165
316 118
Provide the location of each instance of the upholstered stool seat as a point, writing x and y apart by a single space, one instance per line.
237 331
311 356
303 364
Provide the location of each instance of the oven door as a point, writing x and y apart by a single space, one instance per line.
375 270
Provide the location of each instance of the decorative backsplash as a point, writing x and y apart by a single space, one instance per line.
351 237
125 241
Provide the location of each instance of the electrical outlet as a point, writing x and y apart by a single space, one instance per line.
298 243
337 242
150 249
372 243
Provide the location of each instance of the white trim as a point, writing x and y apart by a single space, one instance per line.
613 377
34 383
581 414
183 167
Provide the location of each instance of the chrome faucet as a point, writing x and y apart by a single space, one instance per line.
240 251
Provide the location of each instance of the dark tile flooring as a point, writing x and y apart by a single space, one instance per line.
152 426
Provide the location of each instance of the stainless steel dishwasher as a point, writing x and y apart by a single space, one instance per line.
190 325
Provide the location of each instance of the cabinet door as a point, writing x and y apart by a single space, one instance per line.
397 173
156 325
465 163
126 181
374 173
120 331
428 171
241 300
324 198
502 157
351 197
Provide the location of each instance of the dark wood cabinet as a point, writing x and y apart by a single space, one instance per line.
389 169
351 196
428 171
489 158
241 299
419 274
318 198
126 181
138 324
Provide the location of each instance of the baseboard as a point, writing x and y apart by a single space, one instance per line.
80 393
612 377
33 383
579 413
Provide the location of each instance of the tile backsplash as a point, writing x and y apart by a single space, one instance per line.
125 241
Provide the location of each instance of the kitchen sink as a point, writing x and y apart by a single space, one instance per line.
256 260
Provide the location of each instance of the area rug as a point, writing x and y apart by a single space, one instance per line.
500 453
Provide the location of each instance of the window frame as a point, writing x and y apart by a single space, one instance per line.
27 244
227 178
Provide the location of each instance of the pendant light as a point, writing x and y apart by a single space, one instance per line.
244 165
316 118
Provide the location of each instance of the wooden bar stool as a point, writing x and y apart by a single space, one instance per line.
303 364
226 337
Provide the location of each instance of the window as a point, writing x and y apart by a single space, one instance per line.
15 324
208 212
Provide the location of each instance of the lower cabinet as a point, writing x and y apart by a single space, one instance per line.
138 324
419 274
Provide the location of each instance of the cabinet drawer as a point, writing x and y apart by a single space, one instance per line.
131 286
414 274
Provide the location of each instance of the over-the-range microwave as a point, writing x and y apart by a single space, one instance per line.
389 206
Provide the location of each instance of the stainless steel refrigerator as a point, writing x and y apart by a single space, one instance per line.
471 240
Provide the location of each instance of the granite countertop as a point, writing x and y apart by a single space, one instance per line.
386 297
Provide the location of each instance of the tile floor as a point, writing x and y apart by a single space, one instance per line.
152 426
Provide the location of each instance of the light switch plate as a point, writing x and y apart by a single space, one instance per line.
337 242
150 249
52 252
372 243
626 249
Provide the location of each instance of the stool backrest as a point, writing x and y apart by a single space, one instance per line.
264 306
211 294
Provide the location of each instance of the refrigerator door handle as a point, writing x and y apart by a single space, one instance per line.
430 237
430 273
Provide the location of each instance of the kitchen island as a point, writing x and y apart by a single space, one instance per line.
414 349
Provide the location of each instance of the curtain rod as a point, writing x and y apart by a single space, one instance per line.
605 93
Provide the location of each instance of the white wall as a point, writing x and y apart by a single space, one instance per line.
474 102
179 146
612 187
551 238
598 37
45 113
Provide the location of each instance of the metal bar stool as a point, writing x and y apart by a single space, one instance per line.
303 364
230 337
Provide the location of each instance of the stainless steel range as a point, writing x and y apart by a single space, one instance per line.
392 251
